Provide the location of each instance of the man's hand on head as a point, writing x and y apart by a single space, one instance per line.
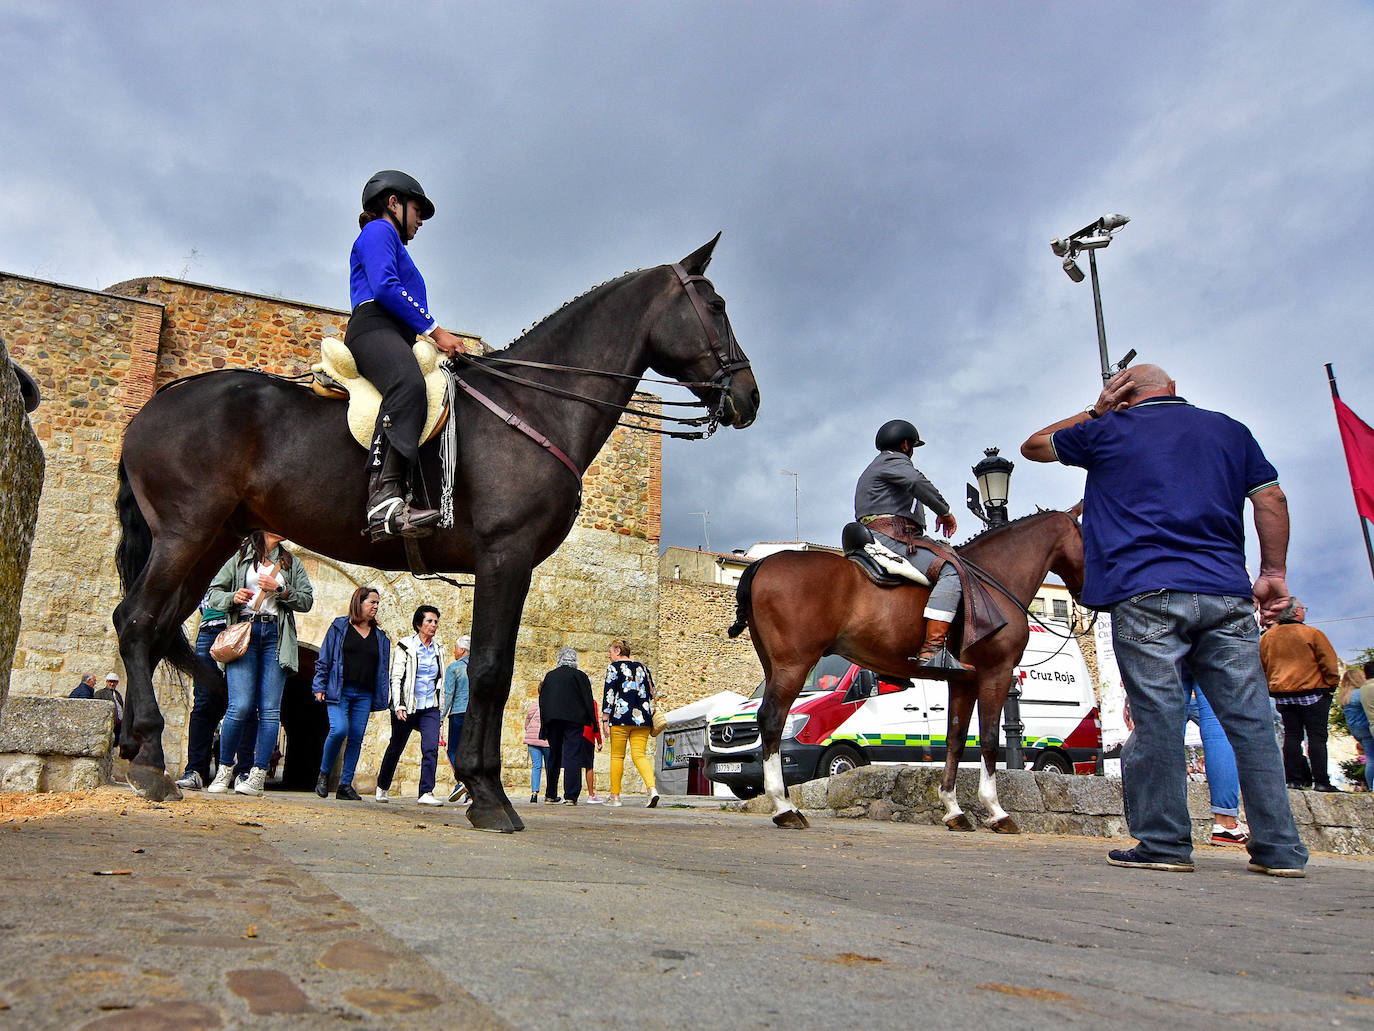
1116 392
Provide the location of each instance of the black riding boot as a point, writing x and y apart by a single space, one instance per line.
388 514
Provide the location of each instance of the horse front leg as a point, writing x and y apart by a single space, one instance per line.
990 700
498 601
781 691
961 699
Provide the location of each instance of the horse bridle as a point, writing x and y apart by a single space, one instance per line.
730 357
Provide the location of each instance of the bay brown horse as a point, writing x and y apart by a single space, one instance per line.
801 605
212 457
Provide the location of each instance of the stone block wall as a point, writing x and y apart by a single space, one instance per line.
55 744
698 659
98 356
21 480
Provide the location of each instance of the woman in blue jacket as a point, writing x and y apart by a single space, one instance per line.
389 309
351 678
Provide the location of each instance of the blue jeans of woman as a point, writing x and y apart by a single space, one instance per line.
426 721
455 735
347 719
256 680
208 707
1358 722
1222 782
539 758
1156 635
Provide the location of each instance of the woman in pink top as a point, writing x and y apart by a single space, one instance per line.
539 748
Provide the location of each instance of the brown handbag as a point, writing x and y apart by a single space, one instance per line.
232 642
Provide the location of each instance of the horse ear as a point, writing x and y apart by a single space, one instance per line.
1077 510
696 262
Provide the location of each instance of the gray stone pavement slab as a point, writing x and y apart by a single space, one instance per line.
666 918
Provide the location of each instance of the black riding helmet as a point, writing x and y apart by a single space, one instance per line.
893 433
392 181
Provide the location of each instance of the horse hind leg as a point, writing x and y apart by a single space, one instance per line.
777 702
989 720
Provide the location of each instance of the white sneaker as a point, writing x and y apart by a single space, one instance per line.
653 800
224 780
428 799
383 795
595 800
614 801
253 784
190 781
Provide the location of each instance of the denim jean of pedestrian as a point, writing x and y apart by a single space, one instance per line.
1222 782
208 708
347 720
1358 722
539 758
256 680
455 735
1156 635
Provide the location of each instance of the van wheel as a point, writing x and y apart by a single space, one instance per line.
1052 762
840 759
744 792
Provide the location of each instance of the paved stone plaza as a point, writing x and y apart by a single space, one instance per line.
290 911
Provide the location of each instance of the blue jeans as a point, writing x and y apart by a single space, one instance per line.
1358 722
256 680
1222 782
1156 635
347 719
455 734
539 758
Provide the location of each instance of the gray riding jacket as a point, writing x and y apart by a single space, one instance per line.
891 485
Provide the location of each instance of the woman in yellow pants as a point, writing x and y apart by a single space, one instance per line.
627 706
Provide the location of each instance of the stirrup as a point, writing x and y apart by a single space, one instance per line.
943 659
392 517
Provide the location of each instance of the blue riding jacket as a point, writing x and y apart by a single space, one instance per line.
380 269
329 666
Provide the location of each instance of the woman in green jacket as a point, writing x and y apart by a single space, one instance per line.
264 583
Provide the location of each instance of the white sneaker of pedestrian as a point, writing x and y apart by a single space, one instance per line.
383 795
653 799
190 781
614 801
595 800
428 799
253 784
224 780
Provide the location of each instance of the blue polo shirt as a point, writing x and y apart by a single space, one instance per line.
1164 503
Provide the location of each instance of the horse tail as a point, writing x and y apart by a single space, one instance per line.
131 556
135 536
742 605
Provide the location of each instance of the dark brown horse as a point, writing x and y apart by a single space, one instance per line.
212 457
800 605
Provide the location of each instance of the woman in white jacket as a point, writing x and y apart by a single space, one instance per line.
417 669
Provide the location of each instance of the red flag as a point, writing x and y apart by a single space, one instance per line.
1358 439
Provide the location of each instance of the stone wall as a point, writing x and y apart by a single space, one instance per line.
55 744
98 356
21 480
697 658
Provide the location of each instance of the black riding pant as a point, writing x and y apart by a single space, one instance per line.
382 348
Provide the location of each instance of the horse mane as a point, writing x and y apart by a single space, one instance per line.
989 531
582 298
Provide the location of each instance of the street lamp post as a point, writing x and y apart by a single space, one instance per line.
994 484
1092 238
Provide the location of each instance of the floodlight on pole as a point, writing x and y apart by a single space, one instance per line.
1092 238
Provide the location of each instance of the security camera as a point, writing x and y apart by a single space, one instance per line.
1072 270
1111 223
1060 248
1092 243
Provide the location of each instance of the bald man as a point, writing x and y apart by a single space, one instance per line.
1164 547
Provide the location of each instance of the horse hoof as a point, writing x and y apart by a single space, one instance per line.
492 818
791 820
152 784
1006 825
959 823
517 824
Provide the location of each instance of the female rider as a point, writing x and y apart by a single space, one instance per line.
389 309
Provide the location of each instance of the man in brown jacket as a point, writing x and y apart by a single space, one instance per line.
1302 670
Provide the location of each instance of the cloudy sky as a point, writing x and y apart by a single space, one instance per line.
887 176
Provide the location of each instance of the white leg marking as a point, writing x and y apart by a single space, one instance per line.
952 809
987 793
773 785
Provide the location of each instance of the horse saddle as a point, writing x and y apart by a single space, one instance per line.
880 564
336 376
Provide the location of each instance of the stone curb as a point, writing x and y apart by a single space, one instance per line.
1051 803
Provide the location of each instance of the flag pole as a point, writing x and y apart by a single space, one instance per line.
1364 523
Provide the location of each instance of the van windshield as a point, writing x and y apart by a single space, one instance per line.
824 676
